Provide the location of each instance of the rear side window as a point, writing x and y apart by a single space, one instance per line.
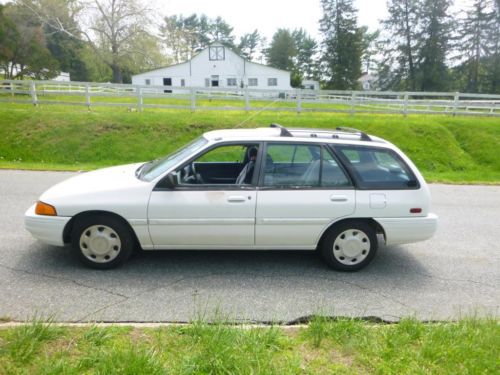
298 165
377 168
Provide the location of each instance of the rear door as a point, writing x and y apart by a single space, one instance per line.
302 190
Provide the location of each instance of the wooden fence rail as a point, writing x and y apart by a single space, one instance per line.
141 97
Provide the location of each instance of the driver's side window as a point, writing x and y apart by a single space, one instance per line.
224 165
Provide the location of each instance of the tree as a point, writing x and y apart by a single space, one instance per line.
186 36
435 42
24 52
114 30
342 48
493 59
369 47
474 30
307 49
249 44
398 67
282 50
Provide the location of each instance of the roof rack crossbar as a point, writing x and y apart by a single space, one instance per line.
284 131
363 135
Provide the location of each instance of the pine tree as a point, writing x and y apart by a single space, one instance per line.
342 44
493 60
307 48
398 68
473 43
434 40
249 44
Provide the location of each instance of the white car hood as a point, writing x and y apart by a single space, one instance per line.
101 181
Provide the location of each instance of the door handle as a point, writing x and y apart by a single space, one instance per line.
338 198
236 198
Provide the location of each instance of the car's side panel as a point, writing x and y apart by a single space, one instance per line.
298 217
202 217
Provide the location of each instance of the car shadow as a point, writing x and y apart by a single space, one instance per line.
392 264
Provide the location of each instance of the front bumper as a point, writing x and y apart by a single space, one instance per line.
48 229
408 229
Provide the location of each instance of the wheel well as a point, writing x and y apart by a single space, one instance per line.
373 223
69 226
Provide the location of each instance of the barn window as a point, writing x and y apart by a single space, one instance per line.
207 82
272 81
147 82
253 82
231 82
183 82
216 53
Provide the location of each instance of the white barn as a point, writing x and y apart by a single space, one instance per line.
217 66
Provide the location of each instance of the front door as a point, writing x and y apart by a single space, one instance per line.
211 207
303 190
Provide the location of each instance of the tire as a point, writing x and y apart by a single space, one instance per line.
101 241
349 246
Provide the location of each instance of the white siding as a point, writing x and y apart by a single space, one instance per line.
200 68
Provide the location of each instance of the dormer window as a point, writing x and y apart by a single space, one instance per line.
216 53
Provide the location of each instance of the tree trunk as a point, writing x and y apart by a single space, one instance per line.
117 73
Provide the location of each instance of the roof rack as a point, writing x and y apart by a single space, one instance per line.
363 135
284 131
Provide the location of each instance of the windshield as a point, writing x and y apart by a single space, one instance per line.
157 167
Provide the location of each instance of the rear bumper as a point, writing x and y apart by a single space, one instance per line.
408 229
48 229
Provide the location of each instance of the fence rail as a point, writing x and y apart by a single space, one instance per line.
141 97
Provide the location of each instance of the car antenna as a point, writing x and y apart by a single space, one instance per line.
256 113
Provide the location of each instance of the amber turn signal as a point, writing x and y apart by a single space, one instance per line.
45 209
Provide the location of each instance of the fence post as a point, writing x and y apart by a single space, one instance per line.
34 98
87 96
11 89
247 100
299 101
405 105
193 99
353 103
455 103
140 99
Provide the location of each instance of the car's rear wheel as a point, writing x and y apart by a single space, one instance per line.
102 241
349 246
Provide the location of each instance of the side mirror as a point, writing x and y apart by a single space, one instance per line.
171 181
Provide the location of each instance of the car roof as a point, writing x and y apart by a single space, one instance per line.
279 133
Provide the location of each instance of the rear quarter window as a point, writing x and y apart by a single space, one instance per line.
377 168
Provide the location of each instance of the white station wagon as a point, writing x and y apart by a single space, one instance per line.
248 189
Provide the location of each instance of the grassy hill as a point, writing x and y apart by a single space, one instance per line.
445 148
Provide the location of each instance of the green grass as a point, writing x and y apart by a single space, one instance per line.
446 149
341 346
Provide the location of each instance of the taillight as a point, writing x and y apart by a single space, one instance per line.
415 210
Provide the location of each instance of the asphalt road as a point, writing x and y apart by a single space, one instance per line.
454 274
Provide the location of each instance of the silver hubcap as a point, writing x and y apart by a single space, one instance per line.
100 243
351 247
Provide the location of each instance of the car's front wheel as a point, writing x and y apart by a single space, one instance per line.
349 246
102 241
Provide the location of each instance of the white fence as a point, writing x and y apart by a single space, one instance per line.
140 97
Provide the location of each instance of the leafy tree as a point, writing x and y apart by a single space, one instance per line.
398 67
342 44
186 36
369 47
282 50
307 48
249 43
24 52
